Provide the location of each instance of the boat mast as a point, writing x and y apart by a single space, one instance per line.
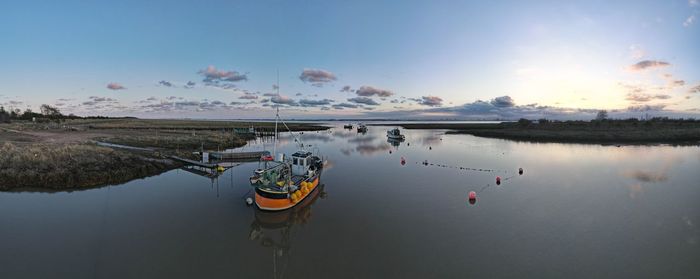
277 116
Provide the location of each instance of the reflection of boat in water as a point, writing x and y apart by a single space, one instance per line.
395 142
361 128
348 126
395 134
275 230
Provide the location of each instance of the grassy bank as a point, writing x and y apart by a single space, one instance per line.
177 139
175 124
630 131
63 156
69 166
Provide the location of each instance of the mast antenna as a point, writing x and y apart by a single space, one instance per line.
277 115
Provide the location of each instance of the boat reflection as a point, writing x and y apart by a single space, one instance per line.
275 229
395 142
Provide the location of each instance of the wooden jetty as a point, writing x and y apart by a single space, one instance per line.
205 165
195 163
254 131
238 155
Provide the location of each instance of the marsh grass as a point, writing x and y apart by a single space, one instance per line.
658 130
177 124
61 156
179 140
72 166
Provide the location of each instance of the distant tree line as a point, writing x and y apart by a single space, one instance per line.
46 113
602 119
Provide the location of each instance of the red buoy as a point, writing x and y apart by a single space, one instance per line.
498 180
472 195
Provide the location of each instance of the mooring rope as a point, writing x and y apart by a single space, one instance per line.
460 167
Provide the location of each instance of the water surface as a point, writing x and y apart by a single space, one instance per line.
587 211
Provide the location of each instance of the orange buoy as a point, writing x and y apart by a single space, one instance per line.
498 180
520 171
472 195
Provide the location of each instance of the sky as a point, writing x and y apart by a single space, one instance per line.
352 59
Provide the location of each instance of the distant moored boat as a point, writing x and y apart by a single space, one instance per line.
395 134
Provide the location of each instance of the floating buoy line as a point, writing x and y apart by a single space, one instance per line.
472 194
426 163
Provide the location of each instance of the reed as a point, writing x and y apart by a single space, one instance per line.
67 166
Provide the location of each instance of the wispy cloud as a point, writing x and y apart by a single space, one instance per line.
317 77
97 102
314 103
368 91
433 101
640 97
115 86
364 101
165 83
283 100
648 64
694 89
221 78
344 105
248 96
689 21
346 88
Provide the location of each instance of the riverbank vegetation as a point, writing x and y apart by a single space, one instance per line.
603 131
63 155
69 166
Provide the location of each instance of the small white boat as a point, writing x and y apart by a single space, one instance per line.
395 134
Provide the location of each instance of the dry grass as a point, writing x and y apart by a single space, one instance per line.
68 166
178 124
60 156
178 140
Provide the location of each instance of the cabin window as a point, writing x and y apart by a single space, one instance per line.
296 161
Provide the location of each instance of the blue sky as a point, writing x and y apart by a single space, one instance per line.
443 59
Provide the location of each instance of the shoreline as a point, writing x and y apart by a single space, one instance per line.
67 157
606 132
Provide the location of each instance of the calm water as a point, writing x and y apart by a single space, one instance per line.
577 211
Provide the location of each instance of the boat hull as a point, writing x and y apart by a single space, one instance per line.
278 201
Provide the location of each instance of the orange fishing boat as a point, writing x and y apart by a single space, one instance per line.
284 183
287 183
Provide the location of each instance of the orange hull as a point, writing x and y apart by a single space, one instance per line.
275 204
